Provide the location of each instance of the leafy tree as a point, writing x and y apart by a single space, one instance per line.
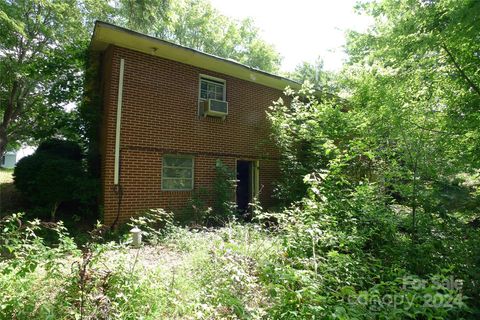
139 15
309 135
426 53
40 60
196 24
368 203
413 77
393 168
322 80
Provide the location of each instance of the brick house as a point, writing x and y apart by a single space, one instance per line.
169 113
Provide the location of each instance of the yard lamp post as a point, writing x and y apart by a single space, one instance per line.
136 237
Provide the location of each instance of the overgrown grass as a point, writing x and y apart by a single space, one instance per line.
302 266
187 274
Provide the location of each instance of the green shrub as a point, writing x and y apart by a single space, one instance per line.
154 223
54 174
58 280
197 211
350 265
61 148
369 205
215 206
224 191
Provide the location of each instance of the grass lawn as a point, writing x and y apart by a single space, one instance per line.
10 198
6 176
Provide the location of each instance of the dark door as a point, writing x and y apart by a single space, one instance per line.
243 185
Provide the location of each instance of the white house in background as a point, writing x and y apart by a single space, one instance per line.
9 160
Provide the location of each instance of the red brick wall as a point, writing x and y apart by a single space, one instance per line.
160 116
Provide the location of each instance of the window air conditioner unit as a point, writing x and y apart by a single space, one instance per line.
215 108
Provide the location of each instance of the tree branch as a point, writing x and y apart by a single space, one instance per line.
460 70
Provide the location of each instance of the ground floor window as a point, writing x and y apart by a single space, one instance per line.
177 172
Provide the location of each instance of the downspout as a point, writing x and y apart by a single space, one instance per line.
117 187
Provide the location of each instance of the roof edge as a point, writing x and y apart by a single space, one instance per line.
105 34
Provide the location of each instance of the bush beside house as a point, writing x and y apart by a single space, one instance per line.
55 174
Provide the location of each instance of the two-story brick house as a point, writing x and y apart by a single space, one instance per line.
169 114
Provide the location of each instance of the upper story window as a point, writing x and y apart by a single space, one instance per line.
212 97
212 88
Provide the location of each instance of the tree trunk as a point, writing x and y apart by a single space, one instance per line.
3 141
8 116
414 203
54 211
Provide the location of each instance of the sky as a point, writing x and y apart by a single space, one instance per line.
301 30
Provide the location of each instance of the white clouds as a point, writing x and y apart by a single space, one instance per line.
301 30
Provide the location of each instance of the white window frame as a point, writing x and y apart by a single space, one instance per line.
169 178
212 79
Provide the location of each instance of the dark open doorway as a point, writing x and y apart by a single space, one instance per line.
244 185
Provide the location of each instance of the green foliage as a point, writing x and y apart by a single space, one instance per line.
309 134
90 115
155 224
421 60
22 254
369 211
344 256
61 148
25 250
313 264
41 54
412 79
224 191
215 206
196 24
197 210
193 275
58 280
54 174
314 73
